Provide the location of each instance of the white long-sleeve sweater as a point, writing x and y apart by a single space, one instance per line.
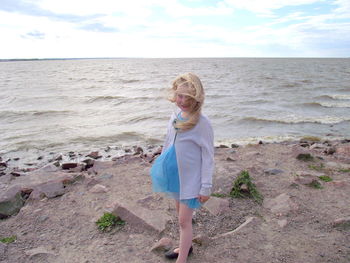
195 157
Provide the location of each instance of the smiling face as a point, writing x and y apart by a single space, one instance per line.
184 100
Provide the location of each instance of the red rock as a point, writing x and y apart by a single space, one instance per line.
49 189
141 218
94 155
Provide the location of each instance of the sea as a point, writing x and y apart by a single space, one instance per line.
83 105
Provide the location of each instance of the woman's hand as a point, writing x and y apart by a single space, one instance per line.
203 198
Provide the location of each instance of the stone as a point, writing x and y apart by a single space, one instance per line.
223 146
138 150
89 163
202 240
39 251
343 222
217 206
280 205
11 202
273 171
230 159
49 189
98 188
305 179
233 145
164 244
94 155
141 218
49 168
282 222
67 166
317 146
100 166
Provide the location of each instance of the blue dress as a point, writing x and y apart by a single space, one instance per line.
165 176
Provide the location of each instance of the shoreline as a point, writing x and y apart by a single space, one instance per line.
12 164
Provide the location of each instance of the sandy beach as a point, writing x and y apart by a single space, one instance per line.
304 215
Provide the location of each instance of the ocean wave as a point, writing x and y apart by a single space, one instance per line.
104 98
121 138
14 114
300 119
126 81
328 104
335 97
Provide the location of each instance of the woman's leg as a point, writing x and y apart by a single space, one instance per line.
186 233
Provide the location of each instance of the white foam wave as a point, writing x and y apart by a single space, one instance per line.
294 119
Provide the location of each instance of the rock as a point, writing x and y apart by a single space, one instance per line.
88 163
282 223
100 166
280 205
343 223
273 171
201 240
317 146
49 168
98 188
3 165
216 206
67 166
11 202
49 189
330 150
229 159
138 150
94 155
223 146
233 145
40 251
141 218
305 179
164 244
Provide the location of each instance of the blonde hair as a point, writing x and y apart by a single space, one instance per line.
194 89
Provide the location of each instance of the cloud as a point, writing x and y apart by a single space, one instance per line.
34 35
98 27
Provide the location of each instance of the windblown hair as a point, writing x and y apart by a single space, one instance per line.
191 86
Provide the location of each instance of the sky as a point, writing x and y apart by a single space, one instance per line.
174 28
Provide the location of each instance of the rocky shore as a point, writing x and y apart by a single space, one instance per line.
50 208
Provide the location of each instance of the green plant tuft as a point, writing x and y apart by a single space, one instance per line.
315 184
8 240
250 191
108 221
325 178
306 157
220 195
344 170
316 167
